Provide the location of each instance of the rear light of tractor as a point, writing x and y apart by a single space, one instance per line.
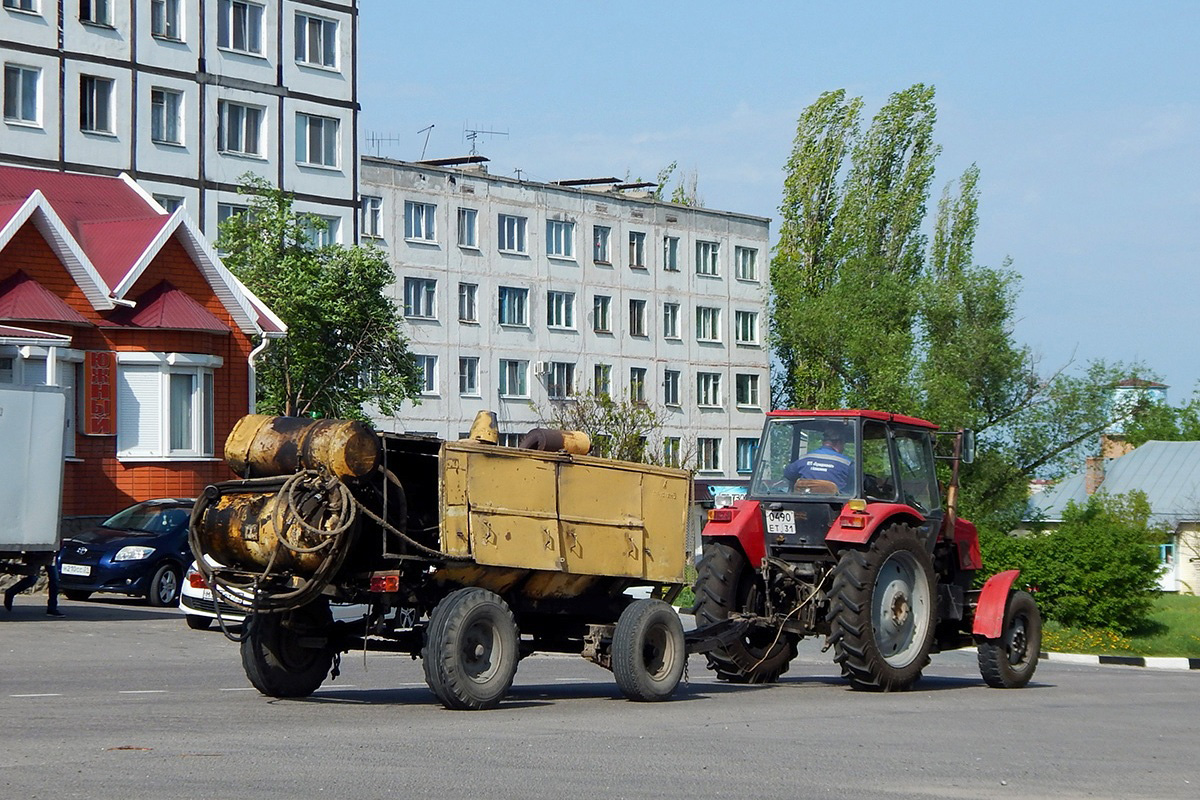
855 514
196 581
385 583
720 515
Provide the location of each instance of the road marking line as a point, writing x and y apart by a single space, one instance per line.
574 680
335 688
239 689
142 691
36 695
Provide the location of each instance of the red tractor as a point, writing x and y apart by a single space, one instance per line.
845 533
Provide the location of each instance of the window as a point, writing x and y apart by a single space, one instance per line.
708 389
560 239
226 211
468 228
672 451
512 233
671 320
637 317
164 19
419 298
316 41
165 405
467 308
745 261
510 440
706 258
708 324
637 385
239 128
602 380
745 324
561 384
428 367
600 238
637 249
746 388
95 104
560 310
372 216
22 100
745 455
708 454
316 140
239 26
513 377
671 387
321 231
98 12
419 221
168 202
468 376
671 253
601 316
21 5
514 306
165 124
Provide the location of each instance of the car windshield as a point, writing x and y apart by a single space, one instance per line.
807 456
149 518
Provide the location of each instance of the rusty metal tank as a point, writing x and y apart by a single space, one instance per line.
261 445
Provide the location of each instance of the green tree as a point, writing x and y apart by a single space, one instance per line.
619 429
1164 423
344 347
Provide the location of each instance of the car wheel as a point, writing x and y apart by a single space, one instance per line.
164 586
198 623
76 594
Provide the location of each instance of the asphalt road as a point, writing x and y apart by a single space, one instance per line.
122 701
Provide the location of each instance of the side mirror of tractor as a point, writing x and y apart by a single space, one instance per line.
967 449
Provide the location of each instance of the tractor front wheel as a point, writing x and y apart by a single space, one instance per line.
1009 662
882 611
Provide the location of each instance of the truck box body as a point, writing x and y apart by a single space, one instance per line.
31 444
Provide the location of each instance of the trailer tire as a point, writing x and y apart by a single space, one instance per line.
648 651
1009 662
882 611
277 660
471 650
725 584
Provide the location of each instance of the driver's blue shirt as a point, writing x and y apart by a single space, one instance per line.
822 464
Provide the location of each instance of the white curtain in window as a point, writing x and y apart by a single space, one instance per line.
138 411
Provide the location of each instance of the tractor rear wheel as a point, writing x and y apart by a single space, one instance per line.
1009 662
286 654
882 611
725 584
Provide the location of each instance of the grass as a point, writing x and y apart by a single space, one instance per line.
687 597
1172 630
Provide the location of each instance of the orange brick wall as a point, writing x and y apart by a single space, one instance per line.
96 483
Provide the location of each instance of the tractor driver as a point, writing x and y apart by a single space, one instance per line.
826 463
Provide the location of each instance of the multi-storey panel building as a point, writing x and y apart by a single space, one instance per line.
517 294
187 96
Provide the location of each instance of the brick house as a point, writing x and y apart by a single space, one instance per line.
131 312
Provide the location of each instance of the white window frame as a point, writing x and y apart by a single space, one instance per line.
27 6
671 321
146 402
429 378
513 306
602 380
708 454
746 449
169 202
601 241
468 228
637 384
420 298
560 310
372 216
320 51
468 302
165 20
745 261
240 129
227 210
321 230
511 232
560 239
468 376
420 221
672 451
166 112
560 381
602 313
637 249
708 258
708 324
240 19
671 253
96 12
671 383
20 85
708 389
514 371
746 390
318 140
96 104
745 327
637 318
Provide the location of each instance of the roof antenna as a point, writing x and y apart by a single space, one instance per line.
374 140
425 146
472 134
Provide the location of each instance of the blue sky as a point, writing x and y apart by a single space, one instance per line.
1084 119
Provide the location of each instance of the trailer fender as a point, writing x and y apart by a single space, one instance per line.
993 598
857 526
741 521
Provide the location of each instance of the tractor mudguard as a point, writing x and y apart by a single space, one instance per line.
741 521
857 527
993 598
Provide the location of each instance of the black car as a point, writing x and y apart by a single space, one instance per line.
141 551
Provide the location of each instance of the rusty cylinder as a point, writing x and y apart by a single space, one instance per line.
263 446
552 440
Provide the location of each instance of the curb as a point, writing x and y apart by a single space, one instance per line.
1124 661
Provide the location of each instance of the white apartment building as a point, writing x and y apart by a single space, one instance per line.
517 294
187 96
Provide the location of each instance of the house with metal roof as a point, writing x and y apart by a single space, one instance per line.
128 310
1168 473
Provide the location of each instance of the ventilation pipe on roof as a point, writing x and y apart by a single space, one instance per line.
1093 474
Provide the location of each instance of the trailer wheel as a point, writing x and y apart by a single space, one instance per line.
470 651
882 611
285 654
1009 662
648 651
725 584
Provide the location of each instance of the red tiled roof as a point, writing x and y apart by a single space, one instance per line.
164 306
23 298
9 209
114 245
